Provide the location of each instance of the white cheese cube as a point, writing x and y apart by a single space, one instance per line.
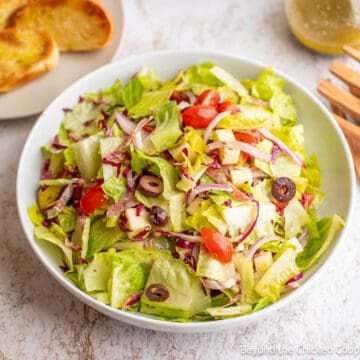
227 156
263 261
241 176
137 222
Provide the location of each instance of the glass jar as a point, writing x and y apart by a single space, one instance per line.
325 25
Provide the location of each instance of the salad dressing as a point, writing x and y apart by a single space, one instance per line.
325 25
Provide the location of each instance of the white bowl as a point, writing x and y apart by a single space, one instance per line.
322 135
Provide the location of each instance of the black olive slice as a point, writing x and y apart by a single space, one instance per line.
157 292
283 189
150 185
158 216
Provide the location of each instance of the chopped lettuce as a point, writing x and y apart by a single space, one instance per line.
277 275
167 131
114 187
316 246
132 92
186 296
87 156
213 269
296 218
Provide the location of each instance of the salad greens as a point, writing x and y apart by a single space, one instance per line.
191 199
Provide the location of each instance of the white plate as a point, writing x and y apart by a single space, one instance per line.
36 95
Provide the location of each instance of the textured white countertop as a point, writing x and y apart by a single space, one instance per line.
40 320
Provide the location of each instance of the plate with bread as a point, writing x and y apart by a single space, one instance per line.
45 45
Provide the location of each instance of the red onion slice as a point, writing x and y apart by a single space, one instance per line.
295 278
125 123
181 243
244 236
213 124
208 187
254 247
249 149
219 285
296 157
132 300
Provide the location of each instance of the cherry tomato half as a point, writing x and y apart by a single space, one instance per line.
217 244
248 136
198 116
92 200
228 106
208 97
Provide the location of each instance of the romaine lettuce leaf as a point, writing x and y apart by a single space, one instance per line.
213 269
132 92
186 296
80 114
87 156
277 275
266 84
296 218
245 268
114 187
327 227
149 102
107 146
97 274
284 106
167 130
127 279
43 233
102 237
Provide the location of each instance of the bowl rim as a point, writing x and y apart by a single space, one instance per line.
142 320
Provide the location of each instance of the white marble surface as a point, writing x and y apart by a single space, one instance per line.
40 320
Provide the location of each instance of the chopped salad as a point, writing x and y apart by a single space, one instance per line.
191 199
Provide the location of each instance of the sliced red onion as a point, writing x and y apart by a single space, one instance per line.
219 285
142 235
46 173
244 236
296 157
71 245
132 300
191 96
207 187
291 286
213 124
125 123
183 105
249 149
275 153
139 209
195 252
74 137
127 201
254 247
186 237
56 144
181 243
61 201
295 278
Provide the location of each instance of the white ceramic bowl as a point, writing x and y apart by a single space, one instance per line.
322 135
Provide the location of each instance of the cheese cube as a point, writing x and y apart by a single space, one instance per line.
137 222
263 261
227 156
241 176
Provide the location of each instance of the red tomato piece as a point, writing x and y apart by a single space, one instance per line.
248 136
198 116
208 97
217 244
92 200
228 106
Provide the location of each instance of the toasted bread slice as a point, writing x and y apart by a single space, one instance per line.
24 55
7 7
76 25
